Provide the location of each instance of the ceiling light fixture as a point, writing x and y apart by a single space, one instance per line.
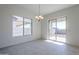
39 17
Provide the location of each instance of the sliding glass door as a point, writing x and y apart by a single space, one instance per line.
57 29
61 29
52 29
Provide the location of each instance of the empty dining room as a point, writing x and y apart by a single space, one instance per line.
39 29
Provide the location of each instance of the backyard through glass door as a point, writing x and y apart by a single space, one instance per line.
57 29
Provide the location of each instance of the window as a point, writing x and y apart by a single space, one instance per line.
21 26
27 26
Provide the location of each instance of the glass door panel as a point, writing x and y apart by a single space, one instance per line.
52 30
61 29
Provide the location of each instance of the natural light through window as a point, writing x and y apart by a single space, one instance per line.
54 42
21 26
57 29
27 26
61 25
17 26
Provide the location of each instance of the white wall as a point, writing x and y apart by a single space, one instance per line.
72 14
6 12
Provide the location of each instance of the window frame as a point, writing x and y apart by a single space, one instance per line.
23 27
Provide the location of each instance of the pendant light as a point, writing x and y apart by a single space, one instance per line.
39 17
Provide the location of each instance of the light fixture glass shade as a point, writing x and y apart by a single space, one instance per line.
39 17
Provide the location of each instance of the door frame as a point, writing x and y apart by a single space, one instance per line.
56 25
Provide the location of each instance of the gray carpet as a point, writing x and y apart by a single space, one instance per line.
40 47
